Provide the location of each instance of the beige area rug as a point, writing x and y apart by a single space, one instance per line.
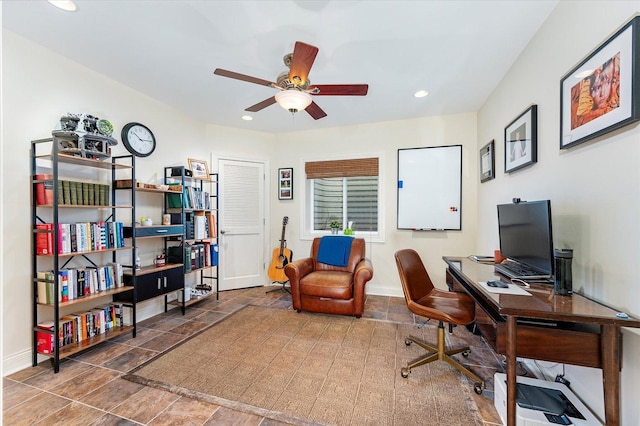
306 368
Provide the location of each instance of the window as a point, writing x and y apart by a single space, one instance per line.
352 199
343 190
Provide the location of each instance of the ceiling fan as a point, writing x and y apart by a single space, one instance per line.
295 89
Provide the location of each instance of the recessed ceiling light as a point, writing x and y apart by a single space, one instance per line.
247 117
67 5
421 94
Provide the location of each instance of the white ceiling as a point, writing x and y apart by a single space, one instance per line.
457 50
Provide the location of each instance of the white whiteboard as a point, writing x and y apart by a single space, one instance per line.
430 188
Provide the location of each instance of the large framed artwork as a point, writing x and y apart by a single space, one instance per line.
521 140
602 93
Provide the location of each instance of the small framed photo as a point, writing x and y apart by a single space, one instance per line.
487 162
521 140
602 92
199 168
285 184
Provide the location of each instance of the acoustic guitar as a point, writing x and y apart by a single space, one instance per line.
281 257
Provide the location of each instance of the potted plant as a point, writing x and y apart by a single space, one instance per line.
335 226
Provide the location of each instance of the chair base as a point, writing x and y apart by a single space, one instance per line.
439 353
279 288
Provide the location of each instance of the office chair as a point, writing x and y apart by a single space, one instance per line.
427 301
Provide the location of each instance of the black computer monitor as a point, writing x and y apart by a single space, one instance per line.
525 234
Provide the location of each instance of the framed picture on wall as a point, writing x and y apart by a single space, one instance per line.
521 140
199 168
487 162
602 92
285 184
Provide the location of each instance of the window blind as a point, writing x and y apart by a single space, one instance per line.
341 168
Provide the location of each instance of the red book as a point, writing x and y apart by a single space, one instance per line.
44 190
45 340
44 240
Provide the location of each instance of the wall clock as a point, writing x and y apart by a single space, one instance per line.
138 139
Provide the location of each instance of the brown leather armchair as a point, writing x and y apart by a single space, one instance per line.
319 287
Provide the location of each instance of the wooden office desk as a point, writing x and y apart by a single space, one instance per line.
566 329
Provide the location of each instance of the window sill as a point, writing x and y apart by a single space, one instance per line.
368 237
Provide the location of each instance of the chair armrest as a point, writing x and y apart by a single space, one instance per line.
363 272
298 269
295 271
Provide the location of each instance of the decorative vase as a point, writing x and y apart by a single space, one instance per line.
334 231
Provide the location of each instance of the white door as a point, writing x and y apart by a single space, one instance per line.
242 224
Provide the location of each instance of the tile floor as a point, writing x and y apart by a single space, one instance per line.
89 389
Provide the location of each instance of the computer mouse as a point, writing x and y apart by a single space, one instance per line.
497 283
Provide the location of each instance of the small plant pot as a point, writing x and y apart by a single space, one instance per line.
334 231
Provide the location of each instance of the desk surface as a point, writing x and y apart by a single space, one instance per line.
602 349
543 302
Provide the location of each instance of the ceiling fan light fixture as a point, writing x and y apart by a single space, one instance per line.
293 100
67 5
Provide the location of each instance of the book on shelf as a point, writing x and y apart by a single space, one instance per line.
66 192
194 256
82 325
214 254
174 201
60 192
187 258
44 190
45 287
91 194
73 192
44 239
117 274
71 326
63 284
199 231
207 253
211 220
85 192
45 342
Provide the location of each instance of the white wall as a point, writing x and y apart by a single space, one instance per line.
384 139
39 86
594 187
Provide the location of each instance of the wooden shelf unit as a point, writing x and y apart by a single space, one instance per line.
63 165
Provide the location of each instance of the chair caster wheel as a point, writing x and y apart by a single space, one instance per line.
407 342
478 387
404 372
466 354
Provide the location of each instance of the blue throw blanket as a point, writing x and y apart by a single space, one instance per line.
335 250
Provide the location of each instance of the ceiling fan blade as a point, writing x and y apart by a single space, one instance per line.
243 77
261 105
303 57
341 89
315 111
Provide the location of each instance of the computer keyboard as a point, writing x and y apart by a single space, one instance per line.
516 270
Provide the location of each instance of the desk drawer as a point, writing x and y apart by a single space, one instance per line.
153 231
556 344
